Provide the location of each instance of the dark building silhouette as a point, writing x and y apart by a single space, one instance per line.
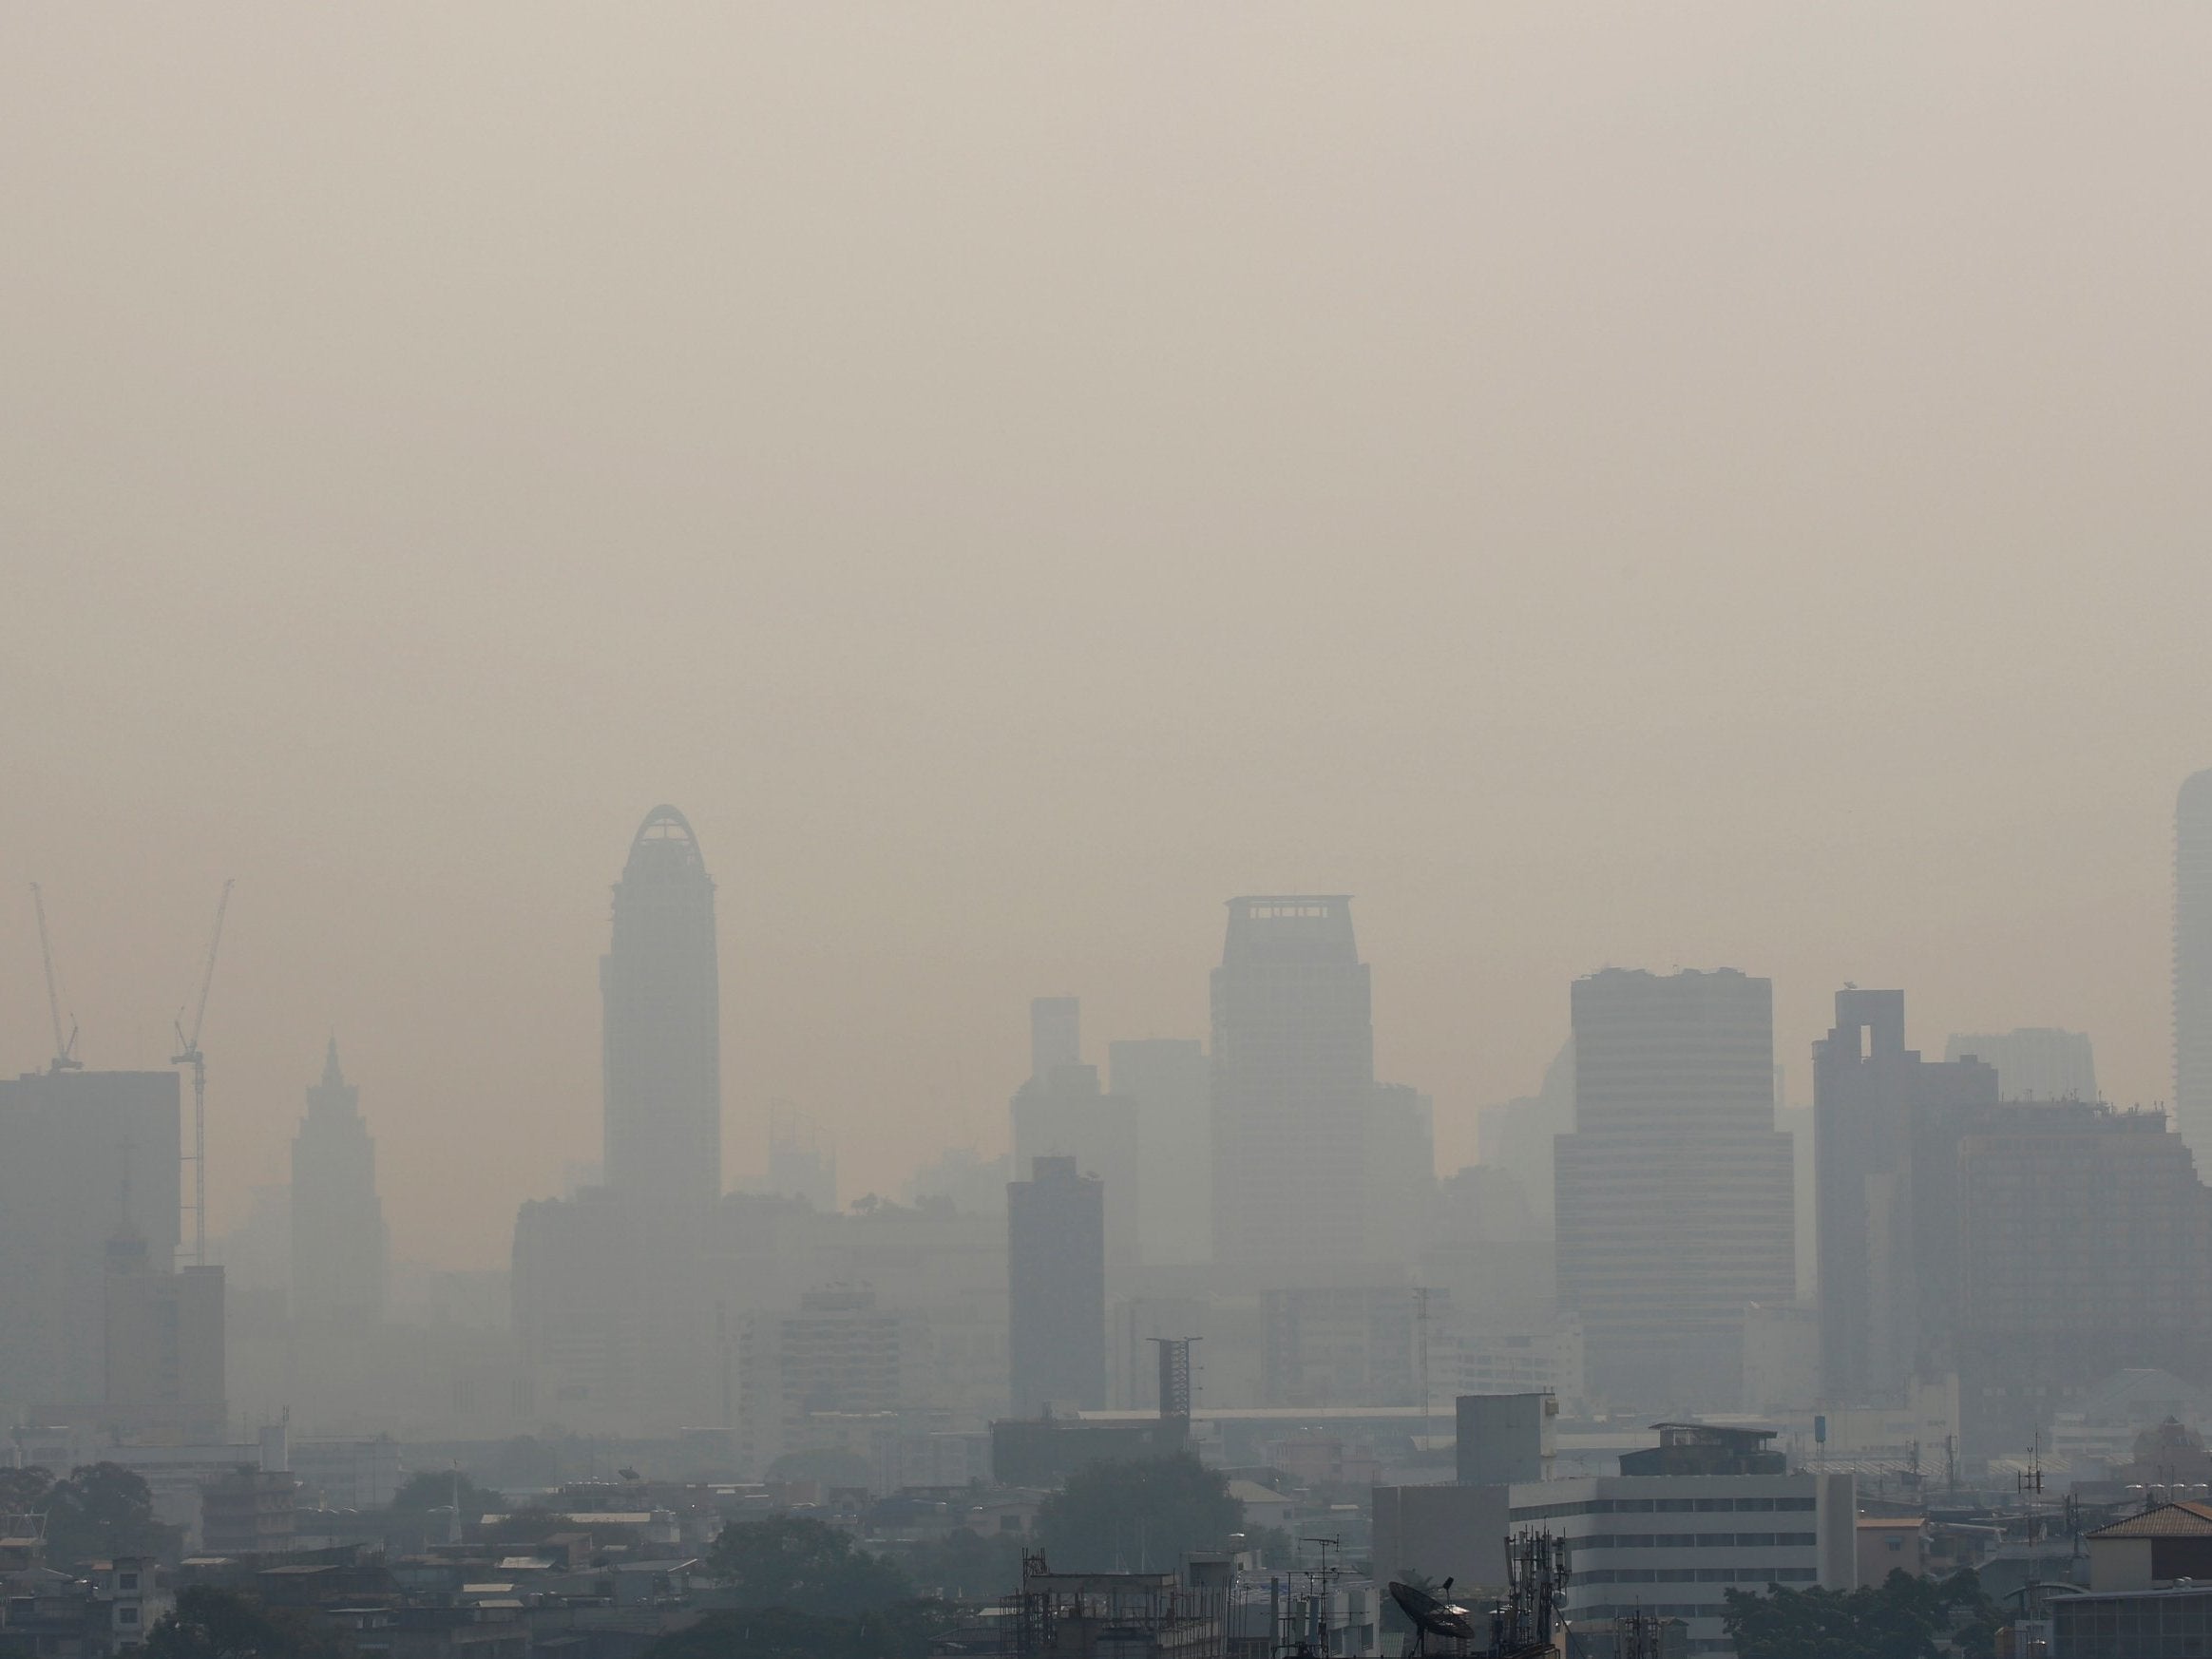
1674 1195
338 1241
662 1024
2193 964
1056 1273
1884 1315
1293 1079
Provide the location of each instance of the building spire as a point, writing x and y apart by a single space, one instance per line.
332 1076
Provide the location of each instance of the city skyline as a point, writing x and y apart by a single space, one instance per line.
1575 486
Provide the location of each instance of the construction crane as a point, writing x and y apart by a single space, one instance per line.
188 1054
65 1047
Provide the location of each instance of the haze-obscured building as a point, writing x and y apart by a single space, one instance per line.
2193 962
1293 1076
1055 1268
1168 1080
84 1155
2035 1062
1060 1111
1674 1190
338 1241
660 985
1884 1316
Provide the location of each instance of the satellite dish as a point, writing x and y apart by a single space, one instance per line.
1432 1616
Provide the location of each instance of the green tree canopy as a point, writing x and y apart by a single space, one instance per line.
966 1565
102 1510
1902 1618
902 1630
807 1565
221 1624
1142 1516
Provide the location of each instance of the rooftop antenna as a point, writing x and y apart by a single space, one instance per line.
188 1054
65 1047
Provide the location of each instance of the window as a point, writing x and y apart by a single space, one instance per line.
127 1581
126 1616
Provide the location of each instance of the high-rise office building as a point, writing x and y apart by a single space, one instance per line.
663 1044
1883 1318
1060 1111
2035 1062
1055 1272
1673 1197
2081 1236
1166 1080
83 1155
163 1345
338 1241
2193 964
1293 1078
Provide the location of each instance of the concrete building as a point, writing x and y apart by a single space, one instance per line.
1168 1080
1882 1321
164 1371
1673 1198
2081 1236
1516 1135
340 1248
2035 1062
1293 1075
249 1511
662 1031
840 1353
69 1143
1397 1175
2193 962
1055 1271
1060 1111
1674 1543
1504 1438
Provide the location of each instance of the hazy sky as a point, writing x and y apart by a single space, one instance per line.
1687 485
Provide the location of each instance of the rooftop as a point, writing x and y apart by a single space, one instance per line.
2168 1520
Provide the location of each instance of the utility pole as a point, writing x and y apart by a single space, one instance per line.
188 1054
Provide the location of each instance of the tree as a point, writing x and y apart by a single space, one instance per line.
966 1565
435 1489
800 1563
103 1511
1144 1514
1903 1618
24 1491
902 1630
221 1624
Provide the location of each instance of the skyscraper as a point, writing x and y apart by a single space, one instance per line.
1293 1076
1055 1272
1674 1192
663 1042
1060 1111
83 1155
2193 964
1166 1078
339 1243
1883 1317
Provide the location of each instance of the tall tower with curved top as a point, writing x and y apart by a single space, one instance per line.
663 1001
2193 964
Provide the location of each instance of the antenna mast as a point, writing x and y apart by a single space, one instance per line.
65 1047
188 1054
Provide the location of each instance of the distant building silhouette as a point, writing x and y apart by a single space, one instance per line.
1055 1271
1516 1135
1060 1111
2193 964
1883 1313
663 1022
338 1241
163 1347
1673 1203
2081 1236
70 1141
2035 1062
1167 1080
1293 1079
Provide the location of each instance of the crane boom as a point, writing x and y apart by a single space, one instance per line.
207 974
65 1047
188 1054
